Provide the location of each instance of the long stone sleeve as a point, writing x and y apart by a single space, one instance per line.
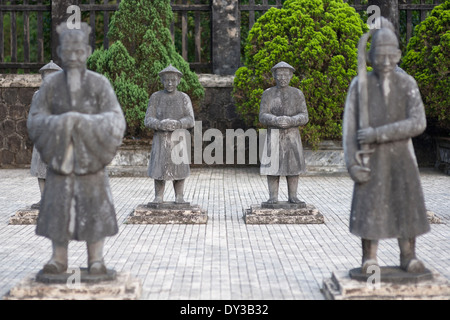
413 125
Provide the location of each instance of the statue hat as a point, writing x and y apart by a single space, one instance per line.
51 66
283 65
171 69
384 39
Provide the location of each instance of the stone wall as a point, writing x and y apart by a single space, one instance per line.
16 92
216 111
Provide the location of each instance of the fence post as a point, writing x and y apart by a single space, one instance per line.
389 10
59 15
226 43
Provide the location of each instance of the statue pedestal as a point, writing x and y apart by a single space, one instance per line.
122 287
394 284
168 213
283 213
25 216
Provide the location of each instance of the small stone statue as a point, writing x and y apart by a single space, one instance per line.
38 167
283 110
76 124
168 110
383 112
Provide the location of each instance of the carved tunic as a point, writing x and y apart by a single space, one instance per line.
38 167
161 106
77 202
283 154
391 203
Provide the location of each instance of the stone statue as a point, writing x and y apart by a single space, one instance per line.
84 126
383 111
283 110
169 110
38 167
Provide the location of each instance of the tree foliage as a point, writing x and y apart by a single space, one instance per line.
319 38
428 60
142 47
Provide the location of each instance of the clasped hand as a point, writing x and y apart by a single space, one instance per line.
169 125
284 122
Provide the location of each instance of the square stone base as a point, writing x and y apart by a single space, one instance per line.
342 287
168 213
257 214
24 216
123 287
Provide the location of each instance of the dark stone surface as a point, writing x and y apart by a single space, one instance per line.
85 277
392 275
226 49
169 205
283 205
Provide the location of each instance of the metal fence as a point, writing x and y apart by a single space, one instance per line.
26 27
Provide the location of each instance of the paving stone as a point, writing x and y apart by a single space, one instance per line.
224 258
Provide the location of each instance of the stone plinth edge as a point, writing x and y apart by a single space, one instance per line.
259 215
342 287
24 216
124 287
143 214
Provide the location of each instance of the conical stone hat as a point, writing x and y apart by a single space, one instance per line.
170 69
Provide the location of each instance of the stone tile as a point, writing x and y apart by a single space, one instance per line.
225 258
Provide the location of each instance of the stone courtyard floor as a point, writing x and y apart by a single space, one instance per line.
225 259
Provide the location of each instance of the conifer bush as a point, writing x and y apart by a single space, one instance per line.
319 39
141 47
427 59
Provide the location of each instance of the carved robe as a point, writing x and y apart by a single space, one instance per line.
391 203
176 106
285 148
77 201
38 167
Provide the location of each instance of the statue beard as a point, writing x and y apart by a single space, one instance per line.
74 76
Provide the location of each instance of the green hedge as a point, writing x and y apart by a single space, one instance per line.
319 38
142 47
427 59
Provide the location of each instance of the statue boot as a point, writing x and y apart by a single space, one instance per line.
408 260
178 186
292 182
369 257
58 263
96 264
273 183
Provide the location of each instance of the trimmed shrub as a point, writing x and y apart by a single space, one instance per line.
427 59
142 46
317 37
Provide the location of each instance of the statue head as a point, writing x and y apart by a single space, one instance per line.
283 72
49 68
74 48
384 53
170 78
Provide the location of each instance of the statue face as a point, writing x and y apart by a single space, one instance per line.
73 51
170 81
283 77
384 62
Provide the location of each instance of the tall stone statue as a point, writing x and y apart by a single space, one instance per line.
38 168
76 124
169 110
283 110
383 111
